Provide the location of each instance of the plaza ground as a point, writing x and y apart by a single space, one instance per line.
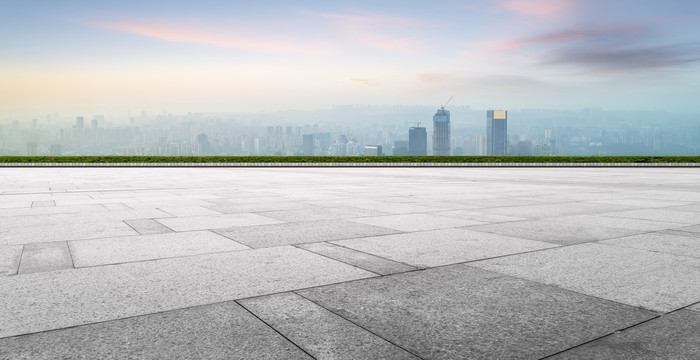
350 263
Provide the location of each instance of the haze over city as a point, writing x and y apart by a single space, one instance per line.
116 58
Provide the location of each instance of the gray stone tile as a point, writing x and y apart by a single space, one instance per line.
220 331
640 202
116 206
47 210
149 247
687 208
660 215
551 210
695 307
227 208
10 256
442 247
479 216
301 232
616 222
564 233
672 336
667 243
370 204
652 280
180 211
321 213
41 257
69 231
416 222
148 226
139 288
205 222
41 203
318 331
362 260
467 313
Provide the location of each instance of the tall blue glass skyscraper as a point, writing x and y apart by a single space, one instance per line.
497 132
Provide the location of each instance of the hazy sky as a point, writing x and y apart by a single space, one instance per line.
89 57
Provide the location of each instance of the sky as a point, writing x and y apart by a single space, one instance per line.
112 57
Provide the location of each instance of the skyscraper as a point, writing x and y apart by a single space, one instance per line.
308 144
496 132
417 141
441 132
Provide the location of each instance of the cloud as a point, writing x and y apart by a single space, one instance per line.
381 32
622 49
605 59
363 82
190 35
539 8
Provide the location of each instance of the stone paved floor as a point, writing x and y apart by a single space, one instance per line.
350 263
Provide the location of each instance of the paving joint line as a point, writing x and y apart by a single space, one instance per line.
275 330
358 325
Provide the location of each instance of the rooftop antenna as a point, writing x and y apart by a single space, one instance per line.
442 107
418 124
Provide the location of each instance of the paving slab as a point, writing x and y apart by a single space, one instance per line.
416 222
564 233
640 202
360 259
139 288
301 232
558 209
220 331
42 257
479 216
672 336
92 229
321 213
604 220
666 243
205 222
10 256
180 211
40 203
442 247
370 204
148 226
249 207
149 247
319 332
653 280
468 313
690 218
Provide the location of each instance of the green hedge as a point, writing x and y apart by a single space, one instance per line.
349 159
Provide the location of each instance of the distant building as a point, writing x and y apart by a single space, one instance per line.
373 150
418 141
400 148
308 144
496 132
441 133
55 149
204 144
80 122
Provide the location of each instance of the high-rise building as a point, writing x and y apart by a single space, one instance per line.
308 144
418 141
496 132
400 148
441 132
79 122
373 150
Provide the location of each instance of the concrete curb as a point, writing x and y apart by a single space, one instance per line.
330 164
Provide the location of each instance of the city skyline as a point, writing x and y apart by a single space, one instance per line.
179 56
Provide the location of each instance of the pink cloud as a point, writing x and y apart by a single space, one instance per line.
539 8
378 31
189 35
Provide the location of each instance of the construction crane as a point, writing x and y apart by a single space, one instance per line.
442 107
